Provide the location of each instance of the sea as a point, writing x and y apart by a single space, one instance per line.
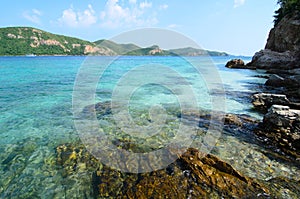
41 96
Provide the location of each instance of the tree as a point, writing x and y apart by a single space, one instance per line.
287 7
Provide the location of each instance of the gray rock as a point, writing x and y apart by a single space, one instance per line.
285 36
265 100
281 125
282 50
275 80
267 59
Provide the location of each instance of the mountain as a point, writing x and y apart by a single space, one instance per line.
28 40
196 52
119 49
152 51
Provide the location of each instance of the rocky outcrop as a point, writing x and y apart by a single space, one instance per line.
193 175
267 59
235 63
283 46
285 36
288 82
281 125
264 101
89 49
275 80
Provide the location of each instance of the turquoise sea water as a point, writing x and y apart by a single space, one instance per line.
36 114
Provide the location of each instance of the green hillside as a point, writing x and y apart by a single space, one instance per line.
196 52
120 49
152 51
27 40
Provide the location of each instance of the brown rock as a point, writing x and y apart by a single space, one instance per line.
232 119
193 175
235 63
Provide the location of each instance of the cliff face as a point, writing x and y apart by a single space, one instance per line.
282 50
285 36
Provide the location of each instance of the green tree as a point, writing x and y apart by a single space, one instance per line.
287 7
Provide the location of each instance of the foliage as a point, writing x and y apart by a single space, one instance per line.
287 7
196 52
27 40
120 49
21 41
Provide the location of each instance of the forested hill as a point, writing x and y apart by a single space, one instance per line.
27 40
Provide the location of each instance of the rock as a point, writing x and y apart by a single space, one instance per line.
295 71
193 175
264 101
281 187
235 63
282 50
232 119
267 59
275 80
285 35
282 126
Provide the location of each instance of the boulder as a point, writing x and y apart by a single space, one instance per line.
275 80
231 119
235 63
264 101
267 59
281 125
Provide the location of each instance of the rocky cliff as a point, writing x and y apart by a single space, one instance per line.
282 50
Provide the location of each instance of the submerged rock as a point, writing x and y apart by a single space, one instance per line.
281 125
235 63
193 175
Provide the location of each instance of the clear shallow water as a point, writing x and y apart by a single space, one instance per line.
36 116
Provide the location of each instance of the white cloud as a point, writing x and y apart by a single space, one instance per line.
116 15
37 12
132 1
173 26
145 4
33 16
163 7
238 3
75 19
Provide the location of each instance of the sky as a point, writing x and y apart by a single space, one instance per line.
238 27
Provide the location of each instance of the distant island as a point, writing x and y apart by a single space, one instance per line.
18 41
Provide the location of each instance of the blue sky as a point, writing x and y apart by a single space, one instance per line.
238 27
